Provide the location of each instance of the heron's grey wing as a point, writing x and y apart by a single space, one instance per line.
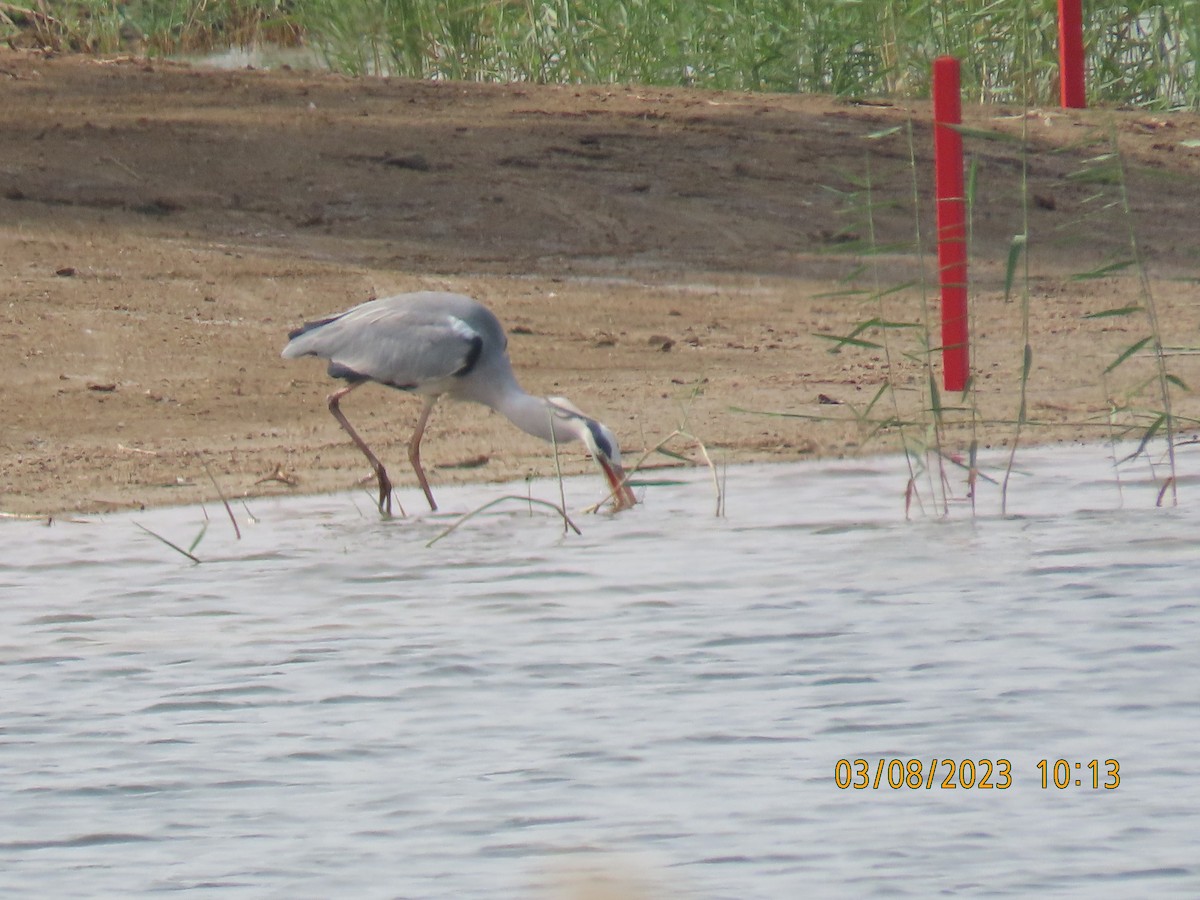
399 346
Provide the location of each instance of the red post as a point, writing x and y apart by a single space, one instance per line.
1070 54
951 221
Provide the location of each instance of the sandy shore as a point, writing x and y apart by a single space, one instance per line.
663 258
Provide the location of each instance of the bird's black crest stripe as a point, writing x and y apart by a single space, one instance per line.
337 370
309 326
602 443
474 349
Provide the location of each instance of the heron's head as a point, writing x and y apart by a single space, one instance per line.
602 444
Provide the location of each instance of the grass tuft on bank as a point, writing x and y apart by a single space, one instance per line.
1140 53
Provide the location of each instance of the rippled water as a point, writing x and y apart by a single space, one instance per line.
330 708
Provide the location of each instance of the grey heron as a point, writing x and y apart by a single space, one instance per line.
442 344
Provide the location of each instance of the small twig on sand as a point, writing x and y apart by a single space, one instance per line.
281 476
567 523
116 162
37 517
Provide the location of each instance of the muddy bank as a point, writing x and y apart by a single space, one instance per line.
661 257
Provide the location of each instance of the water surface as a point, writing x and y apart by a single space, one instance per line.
328 707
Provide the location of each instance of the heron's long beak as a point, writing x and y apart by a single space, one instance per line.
622 493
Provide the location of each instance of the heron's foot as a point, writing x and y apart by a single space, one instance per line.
385 493
620 503
615 502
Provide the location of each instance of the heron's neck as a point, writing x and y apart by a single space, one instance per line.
533 415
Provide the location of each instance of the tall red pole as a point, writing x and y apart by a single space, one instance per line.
1070 54
951 221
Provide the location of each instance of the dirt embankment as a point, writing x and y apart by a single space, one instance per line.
661 257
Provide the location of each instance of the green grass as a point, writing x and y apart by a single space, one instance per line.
894 328
153 27
1140 53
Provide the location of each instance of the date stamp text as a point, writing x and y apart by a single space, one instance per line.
971 774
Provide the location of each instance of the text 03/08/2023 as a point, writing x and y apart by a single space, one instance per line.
970 774
923 774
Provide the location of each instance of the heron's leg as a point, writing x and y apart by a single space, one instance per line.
385 484
414 450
